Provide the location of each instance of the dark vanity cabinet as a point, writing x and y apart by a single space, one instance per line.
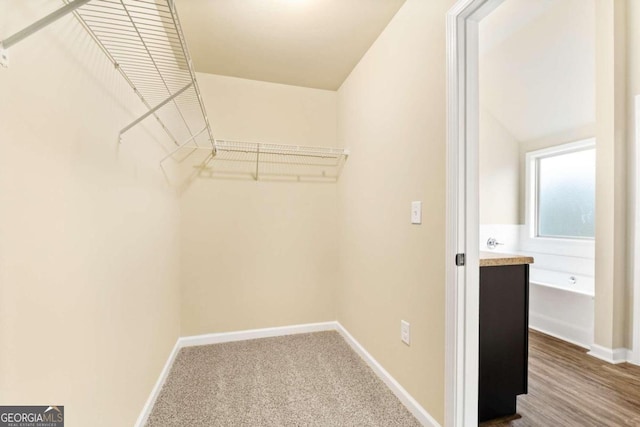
504 321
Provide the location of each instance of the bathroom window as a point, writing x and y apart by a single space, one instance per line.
562 191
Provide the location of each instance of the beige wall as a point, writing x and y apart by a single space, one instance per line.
250 110
633 60
499 172
89 260
611 122
257 254
391 114
633 89
92 247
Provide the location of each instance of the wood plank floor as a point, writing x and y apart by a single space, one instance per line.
569 388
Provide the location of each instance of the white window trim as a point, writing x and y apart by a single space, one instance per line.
584 248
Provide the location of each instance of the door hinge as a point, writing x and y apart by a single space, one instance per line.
460 260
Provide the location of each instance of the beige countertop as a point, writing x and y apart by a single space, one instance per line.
492 259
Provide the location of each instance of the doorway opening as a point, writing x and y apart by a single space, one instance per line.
465 233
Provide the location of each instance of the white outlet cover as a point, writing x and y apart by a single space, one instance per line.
416 212
405 332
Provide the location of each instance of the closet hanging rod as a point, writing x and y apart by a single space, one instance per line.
280 149
260 151
41 23
261 148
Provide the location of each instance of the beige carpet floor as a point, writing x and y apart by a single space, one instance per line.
298 380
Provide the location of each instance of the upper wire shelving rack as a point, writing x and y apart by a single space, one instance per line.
144 41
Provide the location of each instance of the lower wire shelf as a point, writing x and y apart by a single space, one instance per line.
265 161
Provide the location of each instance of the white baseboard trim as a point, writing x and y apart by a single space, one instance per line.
407 400
631 357
561 330
252 334
146 410
560 337
613 356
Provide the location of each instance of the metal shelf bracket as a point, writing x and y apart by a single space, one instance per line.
156 108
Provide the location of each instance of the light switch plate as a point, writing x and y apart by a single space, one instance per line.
416 212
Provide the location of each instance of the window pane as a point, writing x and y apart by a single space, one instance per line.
566 198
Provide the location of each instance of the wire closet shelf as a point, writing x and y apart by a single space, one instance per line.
276 161
144 41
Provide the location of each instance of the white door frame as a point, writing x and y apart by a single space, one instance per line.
462 283
635 354
462 292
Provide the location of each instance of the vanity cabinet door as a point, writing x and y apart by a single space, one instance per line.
504 321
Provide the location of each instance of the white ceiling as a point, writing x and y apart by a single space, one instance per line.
537 66
311 43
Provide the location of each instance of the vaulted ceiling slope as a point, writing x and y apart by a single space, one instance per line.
537 66
311 43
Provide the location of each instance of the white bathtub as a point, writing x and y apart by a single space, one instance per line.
561 304
570 282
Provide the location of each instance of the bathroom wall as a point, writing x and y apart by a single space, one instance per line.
499 184
499 172
611 175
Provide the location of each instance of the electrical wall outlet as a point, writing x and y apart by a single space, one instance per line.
416 212
405 332
4 57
